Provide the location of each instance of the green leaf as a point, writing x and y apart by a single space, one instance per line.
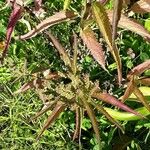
103 23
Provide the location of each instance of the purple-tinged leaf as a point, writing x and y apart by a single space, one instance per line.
92 117
44 110
142 6
145 81
92 44
114 101
77 133
38 4
140 68
131 24
48 22
64 55
108 116
129 90
34 83
14 17
116 17
53 116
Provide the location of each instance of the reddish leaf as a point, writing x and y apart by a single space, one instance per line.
64 55
131 24
14 17
116 17
112 100
145 81
53 116
129 90
142 6
77 132
108 116
29 85
38 4
103 23
50 21
95 48
103 1
140 68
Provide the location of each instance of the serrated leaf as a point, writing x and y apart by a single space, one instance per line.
93 121
129 90
139 69
114 101
142 6
116 17
53 116
95 48
141 98
108 116
48 22
103 23
131 24
14 17
61 50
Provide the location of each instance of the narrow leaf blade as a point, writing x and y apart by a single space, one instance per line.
48 22
14 17
103 23
132 25
53 116
95 48
141 98
112 100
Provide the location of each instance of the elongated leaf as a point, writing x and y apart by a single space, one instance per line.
29 85
103 111
116 17
141 97
93 120
112 100
75 53
145 81
48 22
102 20
103 1
14 17
145 91
38 4
142 6
129 90
77 132
48 107
125 116
95 48
131 24
140 68
53 116
60 49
